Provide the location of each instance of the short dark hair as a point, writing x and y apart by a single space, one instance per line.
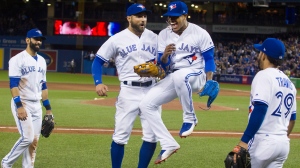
275 62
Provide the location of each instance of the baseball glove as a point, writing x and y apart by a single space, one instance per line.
211 89
47 125
149 69
239 157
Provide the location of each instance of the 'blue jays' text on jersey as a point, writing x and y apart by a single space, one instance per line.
32 74
129 50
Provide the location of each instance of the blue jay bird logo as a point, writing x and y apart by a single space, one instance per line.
141 6
172 6
190 58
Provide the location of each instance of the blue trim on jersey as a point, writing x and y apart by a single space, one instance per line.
14 82
212 47
293 116
191 92
260 100
209 60
255 121
97 70
163 65
44 86
105 60
35 57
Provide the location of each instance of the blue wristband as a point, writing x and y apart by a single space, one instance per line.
46 104
17 101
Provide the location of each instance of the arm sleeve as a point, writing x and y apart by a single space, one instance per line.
209 60
293 116
14 82
44 86
97 70
164 65
255 121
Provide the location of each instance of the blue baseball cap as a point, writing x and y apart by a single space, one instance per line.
136 8
176 8
35 33
272 47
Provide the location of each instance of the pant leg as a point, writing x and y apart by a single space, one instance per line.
126 112
188 81
163 92
29 154
26 130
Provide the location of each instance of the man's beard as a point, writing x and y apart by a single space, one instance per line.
34 47
137 27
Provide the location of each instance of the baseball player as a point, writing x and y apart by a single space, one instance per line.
272 110
187 53
27 79
130 47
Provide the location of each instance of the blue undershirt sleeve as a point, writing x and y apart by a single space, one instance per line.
209 60
163 65
44 86
293 116
255 121
14 82
97 70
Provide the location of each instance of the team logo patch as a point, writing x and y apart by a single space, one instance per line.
190 58
141 6
172 6
38 31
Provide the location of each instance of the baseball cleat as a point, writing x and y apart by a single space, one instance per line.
186 129
164 155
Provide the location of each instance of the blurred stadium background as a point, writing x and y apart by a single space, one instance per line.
233 24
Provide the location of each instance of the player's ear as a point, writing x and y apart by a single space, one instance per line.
27 40
128 18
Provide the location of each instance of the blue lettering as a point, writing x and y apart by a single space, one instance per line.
129 49
134 47
190 49
148 49
153 51
284 82
123 53
181 48
186 48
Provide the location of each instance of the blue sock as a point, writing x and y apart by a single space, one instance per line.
146 153
116 153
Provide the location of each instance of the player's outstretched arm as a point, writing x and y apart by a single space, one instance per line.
101 89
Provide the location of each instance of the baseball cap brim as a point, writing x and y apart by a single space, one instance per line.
137 12
172 14
258 47
42 37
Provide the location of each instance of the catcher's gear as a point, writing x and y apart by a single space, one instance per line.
149 69
239 157
47 125
211 89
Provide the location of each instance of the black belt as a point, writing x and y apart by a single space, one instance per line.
141 84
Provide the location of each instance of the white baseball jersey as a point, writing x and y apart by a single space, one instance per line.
189 45
32 73
272 87
129 50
